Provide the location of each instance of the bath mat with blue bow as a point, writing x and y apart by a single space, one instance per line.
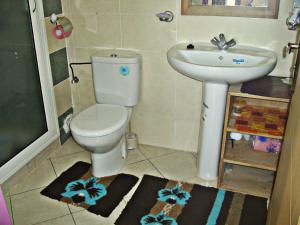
78 187
159 201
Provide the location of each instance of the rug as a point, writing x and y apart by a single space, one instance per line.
78 187
159 201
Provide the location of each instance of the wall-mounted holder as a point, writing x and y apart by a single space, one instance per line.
166 16
63 26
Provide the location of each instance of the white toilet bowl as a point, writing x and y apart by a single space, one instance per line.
101 130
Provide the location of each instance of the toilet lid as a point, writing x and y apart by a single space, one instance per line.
99 120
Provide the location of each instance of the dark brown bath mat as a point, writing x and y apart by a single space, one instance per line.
166 202
78 187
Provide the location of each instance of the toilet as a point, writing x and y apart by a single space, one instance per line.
101 128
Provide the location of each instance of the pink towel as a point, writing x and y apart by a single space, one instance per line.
4 215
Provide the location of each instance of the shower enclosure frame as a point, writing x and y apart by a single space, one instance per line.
42 55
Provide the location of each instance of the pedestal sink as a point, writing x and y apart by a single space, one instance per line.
217 69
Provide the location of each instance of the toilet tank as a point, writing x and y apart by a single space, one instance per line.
116 76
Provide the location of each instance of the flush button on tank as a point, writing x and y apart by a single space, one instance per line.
124 70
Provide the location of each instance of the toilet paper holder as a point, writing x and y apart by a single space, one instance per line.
63 26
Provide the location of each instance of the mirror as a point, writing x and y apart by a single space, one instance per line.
239 8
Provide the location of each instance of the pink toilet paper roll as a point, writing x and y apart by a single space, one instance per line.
4 215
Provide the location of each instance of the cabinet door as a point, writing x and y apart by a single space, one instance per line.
285 202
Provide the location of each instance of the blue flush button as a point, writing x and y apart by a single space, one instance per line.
124 70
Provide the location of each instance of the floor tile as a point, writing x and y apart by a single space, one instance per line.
140 168
31 207
206 183
65 220
134 156
87 218
69 147
178 166
31 178
61 164
153 151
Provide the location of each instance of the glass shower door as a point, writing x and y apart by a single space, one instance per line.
22 111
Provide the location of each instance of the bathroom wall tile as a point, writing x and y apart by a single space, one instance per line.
32 207
66 6
154 129
157 85
85 31
188 95
152 35
146 6
94 6
187 134
75 97
65 220
86 94
178 166
63 97
63 116
59 65
53 43
111 37
52 6
28 179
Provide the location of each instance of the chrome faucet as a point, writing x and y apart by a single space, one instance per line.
221 43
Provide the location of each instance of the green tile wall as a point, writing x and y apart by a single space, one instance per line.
52 6
59 65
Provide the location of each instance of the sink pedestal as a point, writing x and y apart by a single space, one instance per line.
212 119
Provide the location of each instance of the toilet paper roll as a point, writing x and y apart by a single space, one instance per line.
63 28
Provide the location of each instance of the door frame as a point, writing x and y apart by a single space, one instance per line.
42 55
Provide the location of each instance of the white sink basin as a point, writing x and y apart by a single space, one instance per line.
207 63
217 69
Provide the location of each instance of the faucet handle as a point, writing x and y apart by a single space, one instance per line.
222 39
231 43
215 41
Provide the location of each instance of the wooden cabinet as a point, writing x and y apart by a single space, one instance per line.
241 169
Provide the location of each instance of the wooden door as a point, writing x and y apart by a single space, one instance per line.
285 203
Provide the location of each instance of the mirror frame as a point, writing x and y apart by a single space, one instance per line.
235 11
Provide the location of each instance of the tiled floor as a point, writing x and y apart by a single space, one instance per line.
31 208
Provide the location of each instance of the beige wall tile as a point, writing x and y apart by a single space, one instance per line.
154 128
91 6
187 134
146 6
86 94
63 97
146 32
53 43
85 31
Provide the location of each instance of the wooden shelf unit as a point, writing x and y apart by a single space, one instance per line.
241 169
243 154
248 180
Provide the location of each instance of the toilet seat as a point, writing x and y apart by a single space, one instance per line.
99 120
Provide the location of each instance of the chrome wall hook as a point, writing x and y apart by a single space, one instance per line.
166 16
